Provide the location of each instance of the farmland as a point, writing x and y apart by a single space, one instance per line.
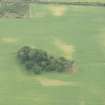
75 32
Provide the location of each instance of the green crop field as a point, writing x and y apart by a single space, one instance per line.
75 32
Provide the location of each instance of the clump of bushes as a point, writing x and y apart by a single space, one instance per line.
38 61
14 9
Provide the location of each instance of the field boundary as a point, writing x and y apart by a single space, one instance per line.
45 2
19 9
98 4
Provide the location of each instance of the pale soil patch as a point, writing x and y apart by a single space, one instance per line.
82 101
67 49
57 10
54 82
40 14
73 69
8 40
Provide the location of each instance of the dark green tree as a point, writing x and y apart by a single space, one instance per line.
23 54
38 61
37 69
